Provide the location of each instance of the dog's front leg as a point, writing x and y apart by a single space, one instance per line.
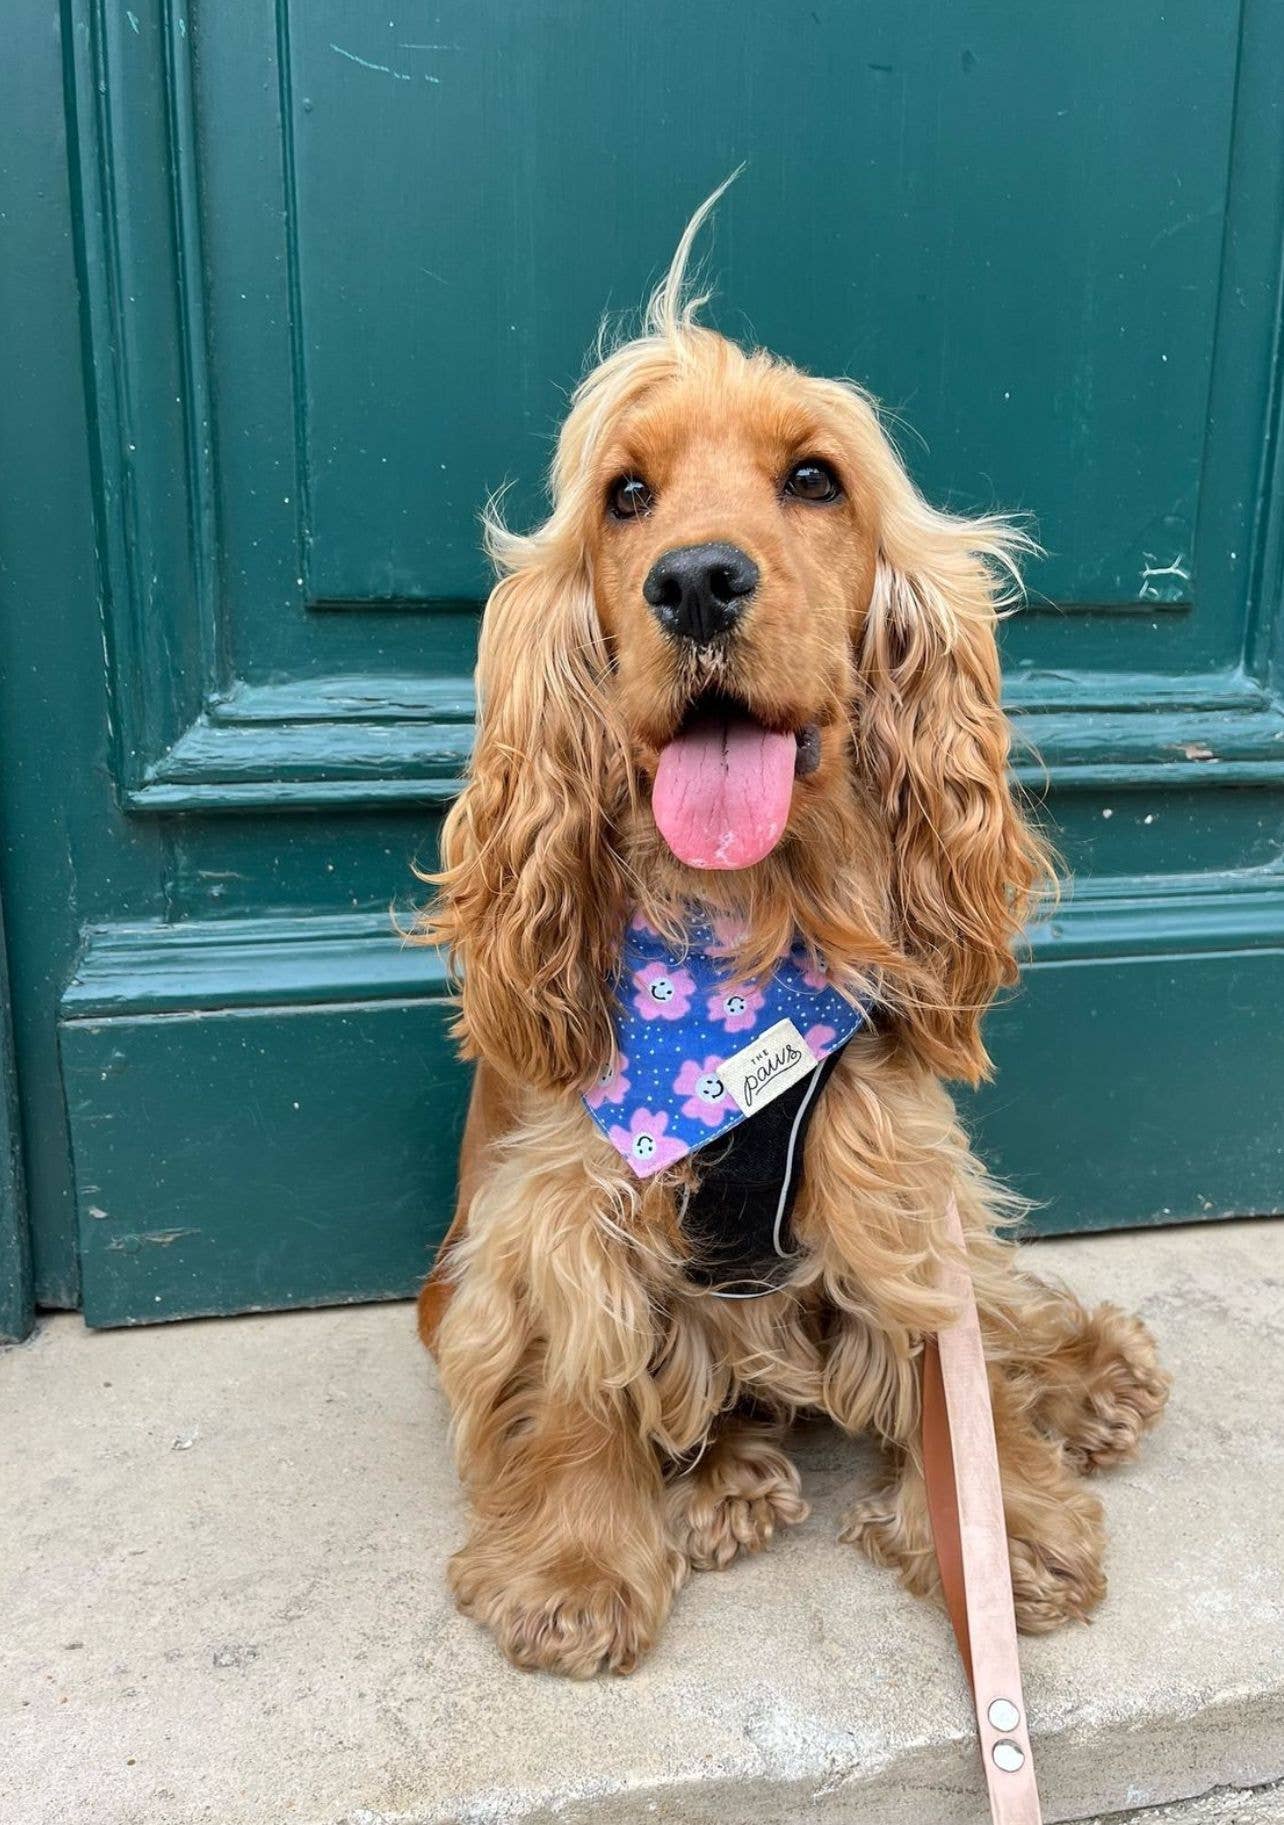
545 1352
1055 1537
889 1140
1054 1523
568 1563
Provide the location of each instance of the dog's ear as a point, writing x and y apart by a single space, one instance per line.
932 741
530 899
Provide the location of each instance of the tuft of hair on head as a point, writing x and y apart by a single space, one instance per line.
672 308
624 365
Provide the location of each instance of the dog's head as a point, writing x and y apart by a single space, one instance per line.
742 664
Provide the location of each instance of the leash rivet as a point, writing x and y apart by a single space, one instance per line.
1008 1757
1003 1714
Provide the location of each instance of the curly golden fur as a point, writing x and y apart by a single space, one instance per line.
615 1424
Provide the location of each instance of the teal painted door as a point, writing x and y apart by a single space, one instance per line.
297 285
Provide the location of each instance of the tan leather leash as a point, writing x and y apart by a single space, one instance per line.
965 1504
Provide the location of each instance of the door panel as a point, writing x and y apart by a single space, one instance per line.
366 346
340 268
959 237
274 1176
1140 1063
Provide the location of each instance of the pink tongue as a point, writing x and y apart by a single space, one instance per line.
722 792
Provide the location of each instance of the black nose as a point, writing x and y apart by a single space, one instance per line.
698 591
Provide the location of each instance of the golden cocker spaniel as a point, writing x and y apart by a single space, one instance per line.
743 674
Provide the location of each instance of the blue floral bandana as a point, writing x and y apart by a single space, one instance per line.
698 1052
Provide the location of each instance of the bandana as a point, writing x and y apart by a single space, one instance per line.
697 1052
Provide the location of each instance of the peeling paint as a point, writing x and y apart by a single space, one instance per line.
1153 586
155 1238
383 69
1187 221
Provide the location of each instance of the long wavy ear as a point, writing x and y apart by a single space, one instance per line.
530 898
933 743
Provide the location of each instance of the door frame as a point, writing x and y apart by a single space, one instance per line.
16 1304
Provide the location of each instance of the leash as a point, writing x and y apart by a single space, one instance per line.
965 1505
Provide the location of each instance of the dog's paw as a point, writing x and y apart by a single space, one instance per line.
577 1617
733 1502
1120 1395
891 1529
1057 1574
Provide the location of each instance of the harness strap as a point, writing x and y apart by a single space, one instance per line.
965 1506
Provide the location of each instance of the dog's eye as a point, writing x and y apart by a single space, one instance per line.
812 480
629 498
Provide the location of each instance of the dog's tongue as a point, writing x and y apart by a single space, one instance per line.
722 792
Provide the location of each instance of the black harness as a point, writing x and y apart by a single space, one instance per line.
739 1217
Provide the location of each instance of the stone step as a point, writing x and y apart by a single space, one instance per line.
222 1600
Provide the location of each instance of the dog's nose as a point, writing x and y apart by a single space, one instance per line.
699 591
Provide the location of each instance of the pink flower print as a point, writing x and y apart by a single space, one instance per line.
645 1145
707 1096
638 924
610 1086
735 1006
815 975
820 1039
662 994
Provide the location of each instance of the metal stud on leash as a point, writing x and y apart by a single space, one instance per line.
1008 1756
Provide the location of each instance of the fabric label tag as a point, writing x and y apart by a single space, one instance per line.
759 1073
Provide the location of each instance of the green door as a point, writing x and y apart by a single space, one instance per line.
293 286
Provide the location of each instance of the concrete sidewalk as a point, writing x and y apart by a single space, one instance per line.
221 1599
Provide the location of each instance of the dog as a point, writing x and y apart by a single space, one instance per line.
743 677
